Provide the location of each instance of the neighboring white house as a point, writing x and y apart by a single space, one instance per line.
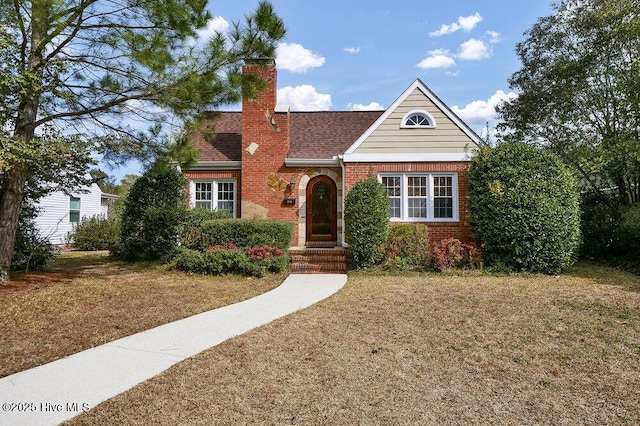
60 211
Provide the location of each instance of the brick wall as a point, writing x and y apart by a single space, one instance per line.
355 172
269 130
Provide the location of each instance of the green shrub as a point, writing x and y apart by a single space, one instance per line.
144 236
160 230
190 232
524 208
600 224
630 231
229 259
366 217
95 233
407 245
246 233
32 251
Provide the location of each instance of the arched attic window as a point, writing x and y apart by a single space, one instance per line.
418 119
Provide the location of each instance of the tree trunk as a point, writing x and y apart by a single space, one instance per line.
11 195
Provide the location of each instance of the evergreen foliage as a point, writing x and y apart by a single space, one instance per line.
96 233
524 208
153 211
366 217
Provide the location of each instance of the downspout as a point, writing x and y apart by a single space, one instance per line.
344 194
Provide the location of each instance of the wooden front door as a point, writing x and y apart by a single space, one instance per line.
321 209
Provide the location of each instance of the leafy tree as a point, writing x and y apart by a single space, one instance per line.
366 217
524 208
580 92
88 66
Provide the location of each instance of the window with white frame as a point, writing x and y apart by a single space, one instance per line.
218 194
418 119
422 196
74 209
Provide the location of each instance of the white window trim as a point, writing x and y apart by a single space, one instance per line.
430 198
78 210
432 121
214 192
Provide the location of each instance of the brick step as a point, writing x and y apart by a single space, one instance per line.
318 260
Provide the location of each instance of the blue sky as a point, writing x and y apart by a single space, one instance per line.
355 54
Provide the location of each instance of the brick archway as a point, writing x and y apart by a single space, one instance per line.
302 202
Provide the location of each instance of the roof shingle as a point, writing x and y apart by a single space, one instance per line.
314 135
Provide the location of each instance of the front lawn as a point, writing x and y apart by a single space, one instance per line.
418 349
86 299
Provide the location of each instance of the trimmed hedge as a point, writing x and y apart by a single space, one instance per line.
245 233
524 208
221 260
190 230
366 217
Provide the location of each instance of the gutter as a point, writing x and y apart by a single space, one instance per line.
312 162
340 159
215 165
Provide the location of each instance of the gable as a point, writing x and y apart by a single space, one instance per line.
447 137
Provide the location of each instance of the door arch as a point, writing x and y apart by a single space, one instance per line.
322 211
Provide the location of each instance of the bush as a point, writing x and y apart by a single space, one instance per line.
407 245
147 236
600 223
452 253
524 208
229 259
95 233
160 230
246 233
630 231
190 229
32 251
366 217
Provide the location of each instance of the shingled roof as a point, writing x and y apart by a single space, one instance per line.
314 135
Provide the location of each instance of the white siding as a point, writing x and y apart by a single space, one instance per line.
53 217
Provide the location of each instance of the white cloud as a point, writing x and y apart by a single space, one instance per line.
473 50
215 25
438 58
465 23
304 98
295 58
494 37
373 106
478 113
352 50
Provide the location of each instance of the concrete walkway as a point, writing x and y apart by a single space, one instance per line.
55 392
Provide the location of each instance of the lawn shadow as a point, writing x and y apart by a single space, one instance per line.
605 275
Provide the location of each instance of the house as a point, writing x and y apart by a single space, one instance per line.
60 211
269 162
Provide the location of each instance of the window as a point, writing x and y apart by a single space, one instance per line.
219 194
422 196
74 209
204 195
392 183
418 119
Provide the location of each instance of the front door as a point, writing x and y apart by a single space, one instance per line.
321 209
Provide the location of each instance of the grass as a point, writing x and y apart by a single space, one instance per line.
86 299
418 349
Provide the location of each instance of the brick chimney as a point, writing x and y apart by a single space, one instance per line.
265 143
